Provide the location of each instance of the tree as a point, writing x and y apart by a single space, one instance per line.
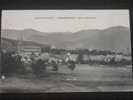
38 66
11 64
55 66
46 49
80 58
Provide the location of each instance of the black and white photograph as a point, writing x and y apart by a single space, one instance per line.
57 51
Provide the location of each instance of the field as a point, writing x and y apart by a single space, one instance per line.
84 78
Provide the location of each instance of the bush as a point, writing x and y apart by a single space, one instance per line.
80 59
71 65
55 66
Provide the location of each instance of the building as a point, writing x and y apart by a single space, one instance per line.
29 49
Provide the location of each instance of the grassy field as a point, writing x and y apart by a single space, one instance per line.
84 78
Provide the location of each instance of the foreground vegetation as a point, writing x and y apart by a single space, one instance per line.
13 64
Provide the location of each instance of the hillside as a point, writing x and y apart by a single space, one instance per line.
113 38
11 45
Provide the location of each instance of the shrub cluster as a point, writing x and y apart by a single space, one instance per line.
104 60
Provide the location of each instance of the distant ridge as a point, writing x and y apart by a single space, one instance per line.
114 38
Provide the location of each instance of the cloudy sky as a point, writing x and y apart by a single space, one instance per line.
63 20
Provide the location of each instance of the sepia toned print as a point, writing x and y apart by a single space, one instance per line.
65 51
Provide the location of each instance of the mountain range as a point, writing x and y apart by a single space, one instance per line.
114 38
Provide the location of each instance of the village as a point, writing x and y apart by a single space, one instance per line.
36 71
77 68
41 55
31 57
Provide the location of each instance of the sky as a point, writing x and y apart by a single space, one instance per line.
63 20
